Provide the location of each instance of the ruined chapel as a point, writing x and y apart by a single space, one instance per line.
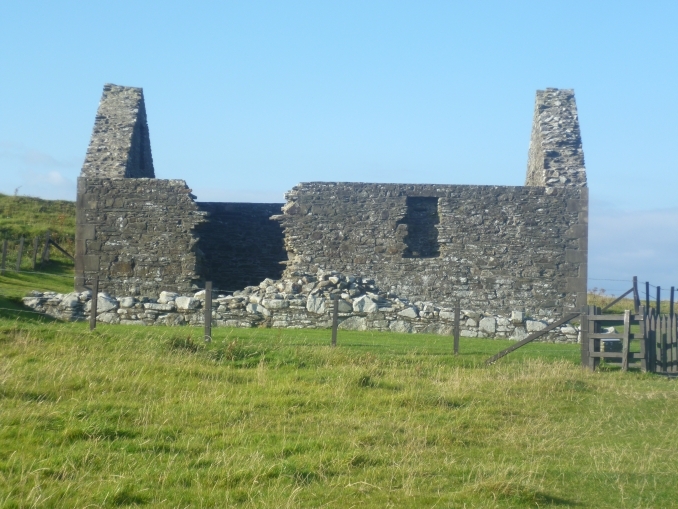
497 249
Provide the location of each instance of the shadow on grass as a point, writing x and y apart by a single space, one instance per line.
13 309
518 493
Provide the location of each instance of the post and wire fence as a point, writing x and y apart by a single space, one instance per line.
633 293
40 252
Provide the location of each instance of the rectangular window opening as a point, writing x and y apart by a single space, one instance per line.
421 219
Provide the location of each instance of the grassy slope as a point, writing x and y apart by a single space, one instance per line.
30 218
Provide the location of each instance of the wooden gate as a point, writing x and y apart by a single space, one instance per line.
656 337
662 342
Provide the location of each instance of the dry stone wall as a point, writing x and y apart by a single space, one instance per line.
303 302
498 249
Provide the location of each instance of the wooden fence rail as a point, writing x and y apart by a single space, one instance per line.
20 251
531 338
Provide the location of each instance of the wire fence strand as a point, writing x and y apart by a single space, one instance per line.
14 271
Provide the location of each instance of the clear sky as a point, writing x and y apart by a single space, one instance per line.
246 99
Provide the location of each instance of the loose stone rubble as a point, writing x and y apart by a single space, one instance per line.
304 301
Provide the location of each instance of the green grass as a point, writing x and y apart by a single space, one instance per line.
56 276
128 416
31 217
23 216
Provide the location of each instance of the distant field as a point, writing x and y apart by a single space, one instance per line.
23 216
30 217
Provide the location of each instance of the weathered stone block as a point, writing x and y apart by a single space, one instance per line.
187 303
517 317
401 326
365 305
534 326
275 303
156 306
127 302
409 313
354 323
488 325
108 318
258 309
167 297
315 304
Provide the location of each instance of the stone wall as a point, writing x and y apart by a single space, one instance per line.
498 249
556 156
120 145
303 302
504 252
136 235
241 246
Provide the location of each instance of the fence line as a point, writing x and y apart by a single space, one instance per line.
44 257
36 272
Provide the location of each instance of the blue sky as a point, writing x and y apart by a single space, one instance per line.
246 99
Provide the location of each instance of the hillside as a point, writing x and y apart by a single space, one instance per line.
33 217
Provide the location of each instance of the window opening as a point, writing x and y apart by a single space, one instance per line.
421 219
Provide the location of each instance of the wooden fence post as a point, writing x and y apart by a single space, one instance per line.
94 301
584 336
335 320
35 250
658 357
20 254
647 296
644 350
625 340
636 296
45 251
208 311
673 290
649 344
4 257
674 341
594 343
457 314
659 300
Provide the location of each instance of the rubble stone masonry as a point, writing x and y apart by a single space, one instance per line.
498 249
514 256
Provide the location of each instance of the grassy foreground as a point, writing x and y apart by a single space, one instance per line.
127 416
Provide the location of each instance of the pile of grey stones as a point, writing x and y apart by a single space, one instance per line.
299 301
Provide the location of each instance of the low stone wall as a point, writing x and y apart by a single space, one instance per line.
302 302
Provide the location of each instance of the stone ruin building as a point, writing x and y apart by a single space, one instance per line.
397 255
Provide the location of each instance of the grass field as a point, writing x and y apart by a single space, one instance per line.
31 217
128 416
